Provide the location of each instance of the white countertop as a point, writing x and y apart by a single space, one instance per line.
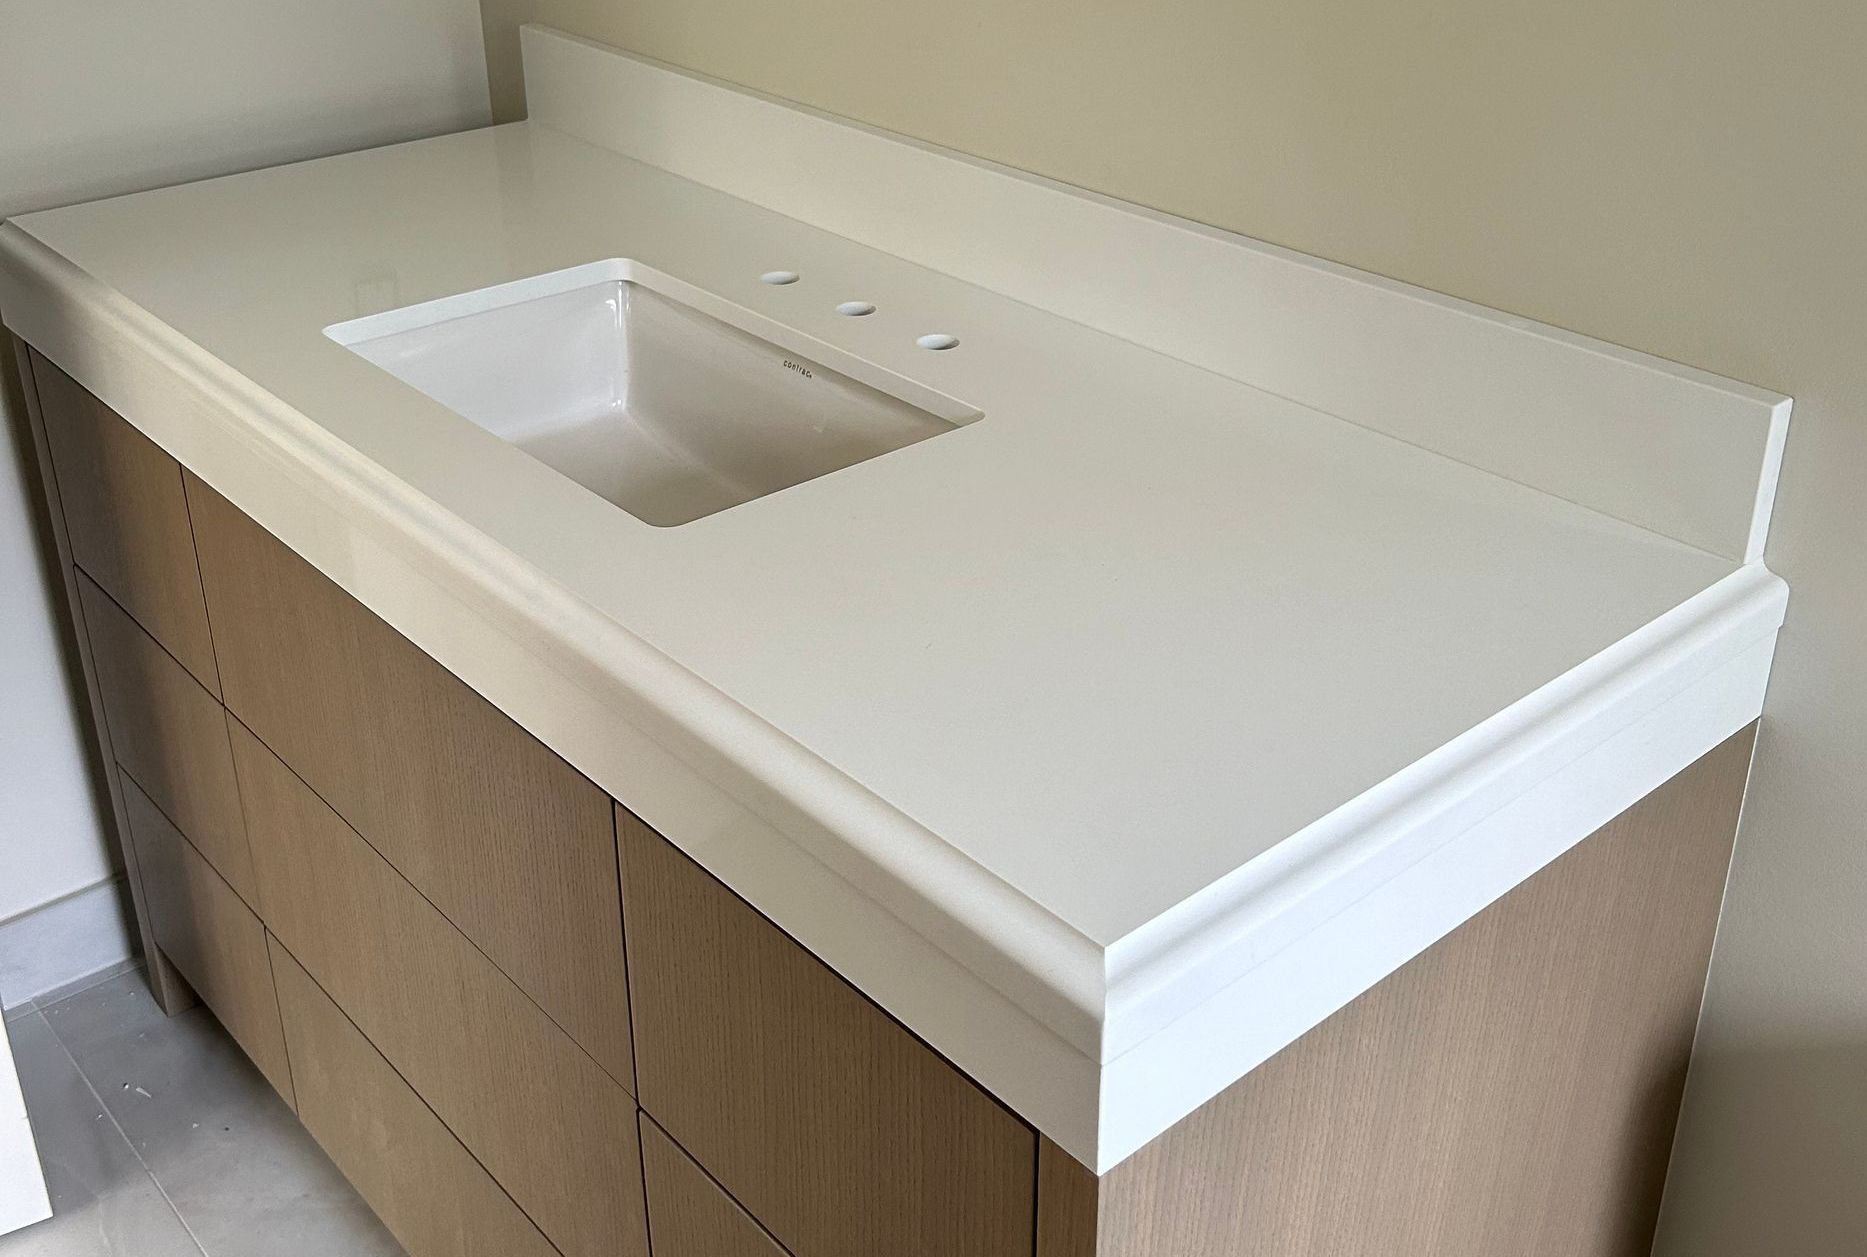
1112 643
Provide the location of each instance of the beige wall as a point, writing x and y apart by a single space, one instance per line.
1687 179
103 96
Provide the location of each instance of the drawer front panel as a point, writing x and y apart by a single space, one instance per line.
546 1121
515 846
209 934
169 734
842 1134
425 1186
127 517
688 1214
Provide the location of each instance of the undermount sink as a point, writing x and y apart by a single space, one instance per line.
663 399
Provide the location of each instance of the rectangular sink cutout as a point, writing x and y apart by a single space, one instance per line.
665 400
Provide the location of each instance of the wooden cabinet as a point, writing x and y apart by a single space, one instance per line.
210 935
440 899
555 1130
505 838
421 1181
127 517
169 734
688 1214
840 1131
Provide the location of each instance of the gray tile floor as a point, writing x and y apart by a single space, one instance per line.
160 1139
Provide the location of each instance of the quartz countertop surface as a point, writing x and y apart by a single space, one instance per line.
1113 640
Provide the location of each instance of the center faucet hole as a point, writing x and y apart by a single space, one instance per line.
856 309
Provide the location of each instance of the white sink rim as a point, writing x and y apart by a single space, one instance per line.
721 429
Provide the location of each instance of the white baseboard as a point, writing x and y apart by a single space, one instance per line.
63 942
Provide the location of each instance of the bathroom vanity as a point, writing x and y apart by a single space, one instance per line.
688 677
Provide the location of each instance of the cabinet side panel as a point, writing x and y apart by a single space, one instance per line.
1512 1090
169 734
210 934
127 518
171 992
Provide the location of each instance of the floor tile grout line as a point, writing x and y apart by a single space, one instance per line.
124 1135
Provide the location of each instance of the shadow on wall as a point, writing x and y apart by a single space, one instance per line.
1775 1146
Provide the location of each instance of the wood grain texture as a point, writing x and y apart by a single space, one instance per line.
209 934
1068 1203
424 1185
688 1214
515 846
127 517
172 993
170 735
1510 1093
841 1132
551 1127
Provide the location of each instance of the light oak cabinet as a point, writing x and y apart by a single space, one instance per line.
511 843
421 1181
689 1215
524 1023
209 934
839 1130
169 734
555 1130
127 517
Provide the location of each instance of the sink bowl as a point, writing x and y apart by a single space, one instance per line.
663 399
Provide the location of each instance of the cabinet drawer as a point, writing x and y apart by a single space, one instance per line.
551 1127
209 934
842 1133
425 1186
688 1214
169 734
127 517
505 838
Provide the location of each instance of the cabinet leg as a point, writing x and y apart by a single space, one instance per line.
172 993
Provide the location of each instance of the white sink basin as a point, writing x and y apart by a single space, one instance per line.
667 401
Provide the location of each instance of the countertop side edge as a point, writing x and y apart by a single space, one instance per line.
1158 971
